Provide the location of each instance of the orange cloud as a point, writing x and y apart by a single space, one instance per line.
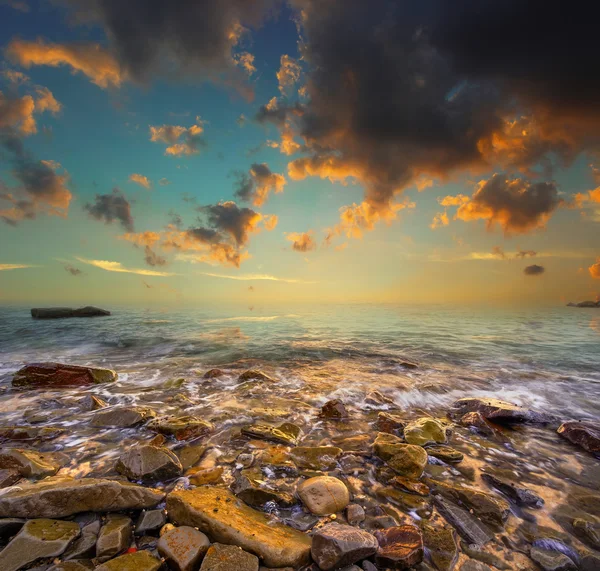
245 60
141 180
180 140
439 220
258 183
288 74
594 269
302 242
90 59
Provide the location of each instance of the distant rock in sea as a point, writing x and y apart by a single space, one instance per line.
584 304
62 312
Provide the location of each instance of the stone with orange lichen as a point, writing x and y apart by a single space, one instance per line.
183 548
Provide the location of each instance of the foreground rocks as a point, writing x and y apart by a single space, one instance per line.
324 495
337 545
498 411
149 464
585 434
56 375
64 312
399 547
183 547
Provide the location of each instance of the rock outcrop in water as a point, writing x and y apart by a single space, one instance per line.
51 375
584 304
64 312
583 433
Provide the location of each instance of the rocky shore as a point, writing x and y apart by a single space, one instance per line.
128 484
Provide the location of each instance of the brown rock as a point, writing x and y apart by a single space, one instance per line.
497 411
253 375
205 476
92 402
114 537
8 477
121 416
149 464
183 547
585 434
477 421
336 545
400 547
55 375
324 495
221 557
28 463
316 457
410 485
182 428
213 374
286 433
138 561
355 514
334 410
390 423
20 433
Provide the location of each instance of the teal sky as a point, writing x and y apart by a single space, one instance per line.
100 134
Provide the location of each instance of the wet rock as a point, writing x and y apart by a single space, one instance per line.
182 428
213 374
38 539
336 545
324 495
25 433
585 434
92 402
479 553
253 375
205 476
390 423
400 547
442 546
316 457
189 455
56 375
407 501
28 463
80 565
375 398
410 485
590 562
472 565
8 477
221 557
521 496
497 411
225 519
334 410
149 464
425 431
114 537
183 548
445 453
251 487
476 421
359 443
467 525
62 497
386 445
149 521
406 460
355 514
9 526
138 561
121 416
64 312
286 433
82 548
587 304
552 560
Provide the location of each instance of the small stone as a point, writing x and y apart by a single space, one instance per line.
286 433
324 495
521 496
410 485
386 445
29 463
138 561
205 476
472 565
441 545
182 428
316 457
183 547
375 398
8 477
355 514
400 547
150 520
213 374
585 434
56 375
121 416
253 375
115 536
389 423
445 453
551 560
425 431
476 421
250 486
336 545
334 410
92 402
245 460
221 557
467 525
406 460
149 464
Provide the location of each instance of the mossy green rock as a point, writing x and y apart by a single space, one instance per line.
386 445
52 375
316 457
138 561
445 453
425 431
442 546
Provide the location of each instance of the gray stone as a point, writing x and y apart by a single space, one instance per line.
336 545
121 416
221 557
83 547
355 514
467 525
28 463
552 560
115 536
150 520
183 547
149 464
521 496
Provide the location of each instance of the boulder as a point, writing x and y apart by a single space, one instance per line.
585 434
149 521
316 457
253 375
498 411
400 547
445 453
62 497
468 526
182 427
8 477
114 537
149 464
38 539
183 548
28 463
121 417
324 495
521 496
138 561
441 545
425 431
336 545
56 375
334 410
406 460
390 423
476 421
225 519
251 487
92 402
213 374
63 312
221 557
552 560
286 433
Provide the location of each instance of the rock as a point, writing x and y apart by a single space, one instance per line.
62 497
183 548
483 556
62 312
82 548
407 460
472 565
286 433
387 445
585 434
552 560
358 443
30 433
400 547
467 525
182 428
38 539
389 423
10 526
355 514
253 375
497 411
149 464
316 457
138 561
445 453
225 519
114 537
189 455
375 398
150 520
324 495
521 496
56 375
441 545
213 374
250 487
81 565
588 304
202 477
410 486
221 557
425 431
590 562
334 410
92 402
336 545
8 477
28 463
121 416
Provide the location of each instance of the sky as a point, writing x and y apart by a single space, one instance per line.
304 150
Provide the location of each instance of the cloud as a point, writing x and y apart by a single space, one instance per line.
118 267
439 220
245 60
179 140
498 252
256 185
113 207
141 180
228 217
253 277
17 113
175 219
92 60
4 267
288 74
152 258
73 270
524 253
164 181
302 242
594 270
534 270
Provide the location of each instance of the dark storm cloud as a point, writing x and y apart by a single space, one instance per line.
229 218
113 207
256 185
534 270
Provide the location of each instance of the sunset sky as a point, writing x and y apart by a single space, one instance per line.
308 150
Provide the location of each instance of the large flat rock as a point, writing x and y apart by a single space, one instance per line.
63 312
225 519
51 375
62 497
